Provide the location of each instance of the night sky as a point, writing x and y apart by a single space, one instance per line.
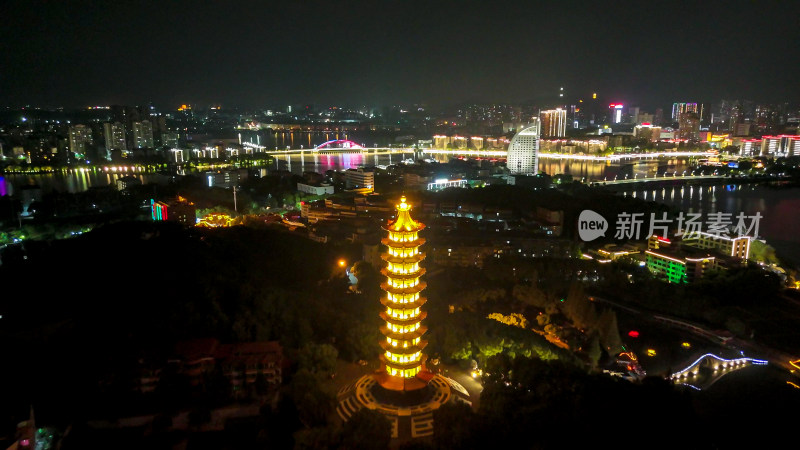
380 52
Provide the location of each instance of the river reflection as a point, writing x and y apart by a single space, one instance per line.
609 170
74 182
779 208
322 162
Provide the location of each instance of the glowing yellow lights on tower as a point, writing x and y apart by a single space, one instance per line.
594 95
402 347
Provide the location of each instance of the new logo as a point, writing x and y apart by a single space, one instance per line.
591 225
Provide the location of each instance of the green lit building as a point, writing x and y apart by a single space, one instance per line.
678 265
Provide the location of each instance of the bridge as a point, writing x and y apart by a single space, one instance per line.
626 156
339 144
331 148
467 152
709 368
347 146
665 177
501 153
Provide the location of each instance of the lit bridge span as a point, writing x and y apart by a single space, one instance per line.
665 177
709 368
346 146
328 149
501 153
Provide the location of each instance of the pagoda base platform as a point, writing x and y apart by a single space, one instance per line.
409 412
403 385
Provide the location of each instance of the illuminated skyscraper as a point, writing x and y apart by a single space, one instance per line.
80 137
523 152
680 108
689 126
114 136
403 359
143 134
554 123
615 112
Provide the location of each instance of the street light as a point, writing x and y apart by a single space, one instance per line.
342 263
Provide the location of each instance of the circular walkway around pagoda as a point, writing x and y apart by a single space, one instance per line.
410 413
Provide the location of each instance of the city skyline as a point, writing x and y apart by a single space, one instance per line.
250 55
398 224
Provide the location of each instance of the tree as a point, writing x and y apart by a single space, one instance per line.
366 275
361 340
314 405
367 430
594 351
762 252
577 307
530 295
453 426
318 358
609 332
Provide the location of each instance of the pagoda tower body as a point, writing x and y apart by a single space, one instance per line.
403 363
403 389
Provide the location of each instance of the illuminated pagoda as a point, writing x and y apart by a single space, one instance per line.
403 389
403 363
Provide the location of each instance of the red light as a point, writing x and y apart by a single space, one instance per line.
663 239
633 334
646 123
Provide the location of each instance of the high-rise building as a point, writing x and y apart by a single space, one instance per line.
689 126
114 134
523 152
80 137
644 117
615 112
554 123
633 115
680 108
741 129
658 118
403 359
171 139
143 134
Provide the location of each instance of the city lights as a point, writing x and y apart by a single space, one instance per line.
178 273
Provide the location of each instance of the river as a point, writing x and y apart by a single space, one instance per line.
778 205
75 181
